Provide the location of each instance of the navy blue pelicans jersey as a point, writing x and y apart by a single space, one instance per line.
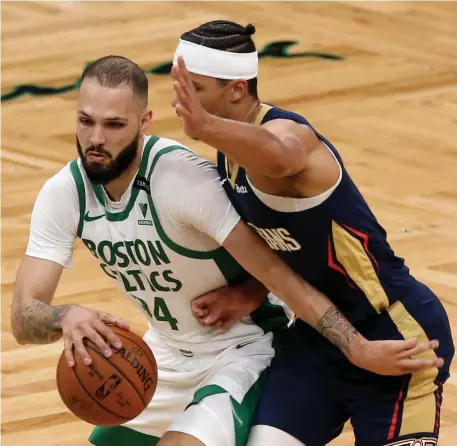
336 244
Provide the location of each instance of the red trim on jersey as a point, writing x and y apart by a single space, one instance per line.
332 264
394 422
438 399
365 239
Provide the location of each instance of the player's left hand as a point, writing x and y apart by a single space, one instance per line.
396 357
187 103
222 307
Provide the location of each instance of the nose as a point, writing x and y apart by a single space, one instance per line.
97 137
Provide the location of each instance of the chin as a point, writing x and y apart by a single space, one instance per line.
99 165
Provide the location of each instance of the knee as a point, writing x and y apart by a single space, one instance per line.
172 438
262 435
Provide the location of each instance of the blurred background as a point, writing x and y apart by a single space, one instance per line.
379 79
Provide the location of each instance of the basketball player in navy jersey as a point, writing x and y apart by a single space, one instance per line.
290 184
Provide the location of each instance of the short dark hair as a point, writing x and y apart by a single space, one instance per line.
225 36
112 71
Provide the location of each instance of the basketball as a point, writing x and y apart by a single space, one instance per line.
109 391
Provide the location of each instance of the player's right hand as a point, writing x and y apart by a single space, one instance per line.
187 102
81 322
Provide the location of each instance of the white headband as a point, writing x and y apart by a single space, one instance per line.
215 63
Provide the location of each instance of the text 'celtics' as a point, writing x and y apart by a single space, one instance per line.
125 254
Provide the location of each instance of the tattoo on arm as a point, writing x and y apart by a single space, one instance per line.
337 329
38 322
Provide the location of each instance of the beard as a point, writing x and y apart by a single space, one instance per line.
99 173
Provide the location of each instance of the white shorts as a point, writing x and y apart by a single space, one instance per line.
211 397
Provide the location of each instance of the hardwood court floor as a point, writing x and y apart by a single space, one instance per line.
390 107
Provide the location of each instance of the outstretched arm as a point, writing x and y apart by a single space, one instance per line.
313 307
199 201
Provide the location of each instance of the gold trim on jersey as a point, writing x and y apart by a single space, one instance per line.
232 174
419 407
355 260
264 109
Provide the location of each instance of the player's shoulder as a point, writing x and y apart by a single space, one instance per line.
165 146
162 143
171 154
62 180
59 190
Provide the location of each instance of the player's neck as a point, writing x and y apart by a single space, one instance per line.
246 111
116 189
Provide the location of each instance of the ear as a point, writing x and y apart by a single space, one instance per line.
239 89
146 119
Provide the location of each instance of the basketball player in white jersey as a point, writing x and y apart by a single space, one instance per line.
155 217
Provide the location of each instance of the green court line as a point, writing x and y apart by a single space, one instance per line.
274 50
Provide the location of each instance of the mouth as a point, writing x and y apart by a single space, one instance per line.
96 156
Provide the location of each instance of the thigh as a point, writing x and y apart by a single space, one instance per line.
388 410
222 408
210 421
221 412
302 400
396 411
270 436
172 438
239 368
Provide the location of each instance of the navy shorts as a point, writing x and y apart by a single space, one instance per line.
312 390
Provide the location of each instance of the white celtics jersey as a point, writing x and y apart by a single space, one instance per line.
158 255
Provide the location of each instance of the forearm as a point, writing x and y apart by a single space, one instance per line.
251 146
36 322
301 297
313 307
253 292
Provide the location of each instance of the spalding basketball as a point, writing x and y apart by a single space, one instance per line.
110 391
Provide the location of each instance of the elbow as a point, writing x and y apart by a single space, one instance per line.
22 340
16 330
20 337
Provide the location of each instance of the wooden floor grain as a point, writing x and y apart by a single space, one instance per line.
390 107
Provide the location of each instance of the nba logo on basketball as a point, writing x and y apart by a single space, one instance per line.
108 386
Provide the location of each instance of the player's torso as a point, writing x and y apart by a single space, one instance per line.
334 242
159 276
